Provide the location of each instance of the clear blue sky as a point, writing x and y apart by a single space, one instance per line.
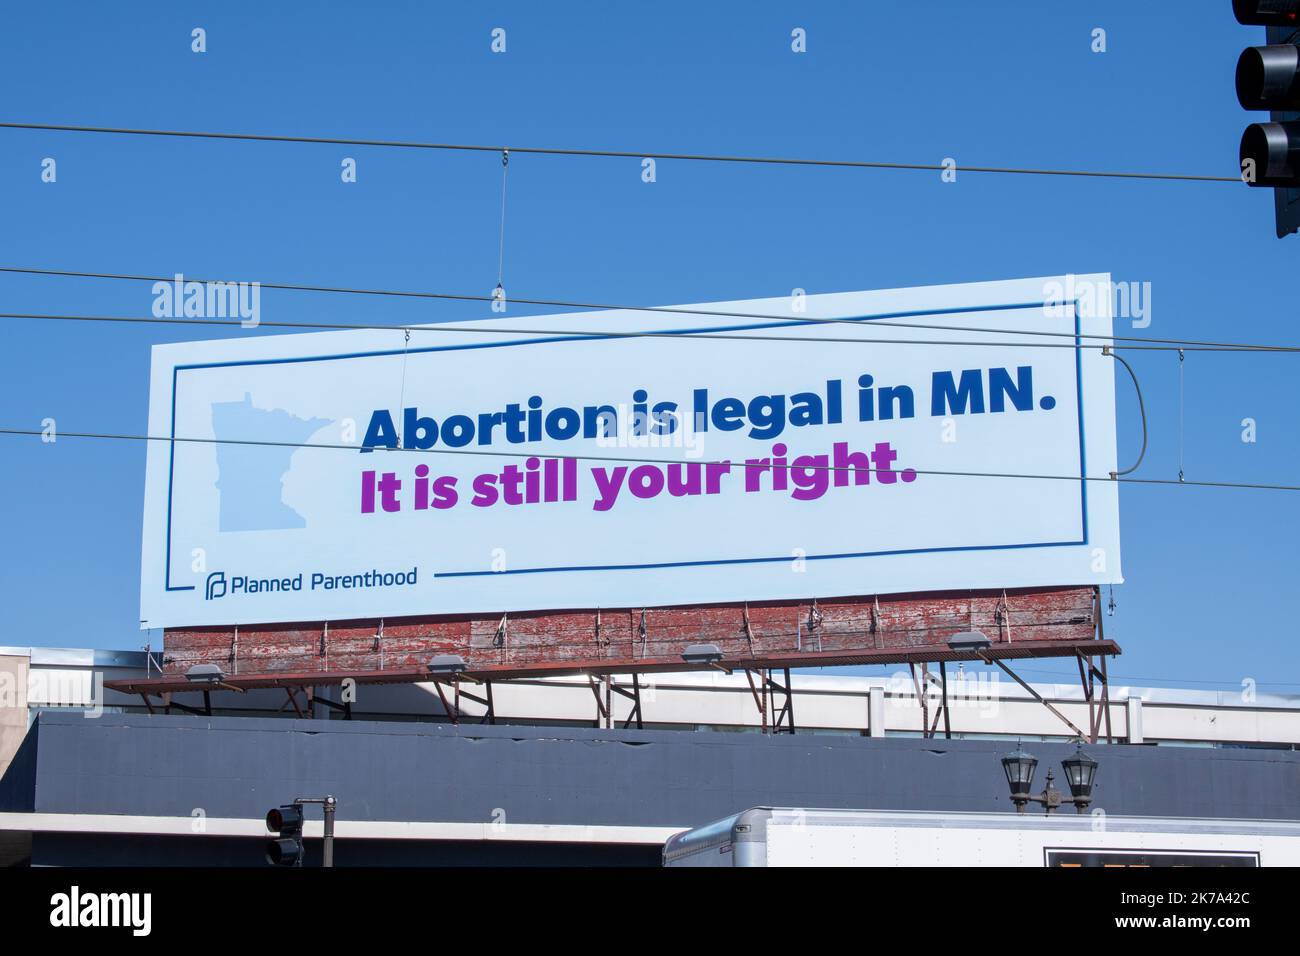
1211 574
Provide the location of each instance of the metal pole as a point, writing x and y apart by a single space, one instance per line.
947 723
789 698
327 845
1034 694
328 849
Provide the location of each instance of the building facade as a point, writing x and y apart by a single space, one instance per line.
90 777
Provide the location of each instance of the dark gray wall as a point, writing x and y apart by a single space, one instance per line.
239 767
18 785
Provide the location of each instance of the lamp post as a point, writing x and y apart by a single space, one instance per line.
1080 772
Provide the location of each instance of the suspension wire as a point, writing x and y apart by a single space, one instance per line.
1073 677
1181 364
501 248
1129 678
1141 411
619 154
401 401
582 456
882 320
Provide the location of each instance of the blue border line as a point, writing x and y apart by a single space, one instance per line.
784 557
176 369
171 472
1083 455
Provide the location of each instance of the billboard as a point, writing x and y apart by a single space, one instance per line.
733 452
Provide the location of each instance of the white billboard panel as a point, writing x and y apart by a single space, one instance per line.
355 474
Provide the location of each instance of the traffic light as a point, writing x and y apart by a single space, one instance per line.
1268 78
286 849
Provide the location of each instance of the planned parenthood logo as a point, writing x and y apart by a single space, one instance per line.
216 587
219 585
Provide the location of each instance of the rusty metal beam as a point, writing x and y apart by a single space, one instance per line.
345 707
921 698
490 712
1085 678
602 706
947 721
1105 698
633 695
1038 697
760 696
499 672
784 718
448 708
846 627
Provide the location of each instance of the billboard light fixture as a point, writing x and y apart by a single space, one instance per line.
972 640
446 664
205 674
702 654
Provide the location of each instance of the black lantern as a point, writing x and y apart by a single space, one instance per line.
1079 773
1019 768
1080 770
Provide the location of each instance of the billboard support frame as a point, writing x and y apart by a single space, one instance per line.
1093 677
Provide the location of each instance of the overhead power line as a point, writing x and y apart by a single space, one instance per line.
883 321
583 456
1142 411
1130 678
617 154
604 334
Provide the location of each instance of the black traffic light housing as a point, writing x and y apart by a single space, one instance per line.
1267 13
285 849
1268 78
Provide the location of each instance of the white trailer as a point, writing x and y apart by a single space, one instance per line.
770 836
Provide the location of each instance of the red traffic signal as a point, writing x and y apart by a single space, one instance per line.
279 818
1267 13
286 849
